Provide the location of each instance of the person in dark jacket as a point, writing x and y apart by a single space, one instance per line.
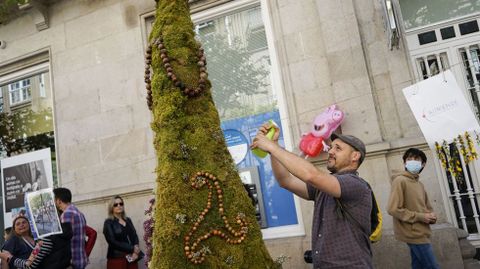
20 243
53 252
123 249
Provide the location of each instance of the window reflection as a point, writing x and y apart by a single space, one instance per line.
239 64
26 118
421 13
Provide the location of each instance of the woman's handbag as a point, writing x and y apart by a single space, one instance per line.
140 256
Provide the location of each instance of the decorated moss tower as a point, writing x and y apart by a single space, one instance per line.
203 215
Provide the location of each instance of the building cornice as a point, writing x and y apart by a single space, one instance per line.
37 9
375 150
103 196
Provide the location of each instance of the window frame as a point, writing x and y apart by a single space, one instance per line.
238 6
28 66
22 89
20 74
24 73
23 67
223 9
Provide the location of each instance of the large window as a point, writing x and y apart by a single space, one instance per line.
236 47
240 71
418 13
26 118
444 35
234 37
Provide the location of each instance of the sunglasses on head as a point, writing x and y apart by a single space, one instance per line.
117 204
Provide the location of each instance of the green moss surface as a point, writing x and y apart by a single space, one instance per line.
188 139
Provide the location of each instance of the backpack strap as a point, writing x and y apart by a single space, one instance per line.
341 211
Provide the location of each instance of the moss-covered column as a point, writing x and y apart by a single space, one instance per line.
203 215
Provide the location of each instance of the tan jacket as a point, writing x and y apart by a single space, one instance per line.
408 204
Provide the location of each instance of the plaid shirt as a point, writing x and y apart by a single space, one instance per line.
78 222
337 243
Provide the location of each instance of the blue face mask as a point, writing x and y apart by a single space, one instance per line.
413 166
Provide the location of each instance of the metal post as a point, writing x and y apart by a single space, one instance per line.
456 192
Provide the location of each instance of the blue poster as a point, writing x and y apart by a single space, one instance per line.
239 134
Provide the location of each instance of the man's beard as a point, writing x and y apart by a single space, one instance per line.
332 167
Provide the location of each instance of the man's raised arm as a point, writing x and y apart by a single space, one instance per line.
293 172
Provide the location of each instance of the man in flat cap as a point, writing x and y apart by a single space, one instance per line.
337 241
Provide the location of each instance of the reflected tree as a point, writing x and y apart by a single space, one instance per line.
26 130
234 73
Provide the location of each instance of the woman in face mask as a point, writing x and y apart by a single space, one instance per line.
411 210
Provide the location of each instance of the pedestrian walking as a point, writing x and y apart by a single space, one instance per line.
411 210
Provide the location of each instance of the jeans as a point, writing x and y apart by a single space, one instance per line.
422 256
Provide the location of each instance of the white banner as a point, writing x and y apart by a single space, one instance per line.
21 174
440 108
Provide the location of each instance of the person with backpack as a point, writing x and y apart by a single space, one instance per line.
343 200
411 210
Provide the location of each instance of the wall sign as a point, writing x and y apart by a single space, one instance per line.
278 202
21 174
440 108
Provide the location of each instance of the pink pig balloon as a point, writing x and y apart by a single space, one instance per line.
327 122
322 128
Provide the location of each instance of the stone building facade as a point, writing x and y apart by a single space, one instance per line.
321 52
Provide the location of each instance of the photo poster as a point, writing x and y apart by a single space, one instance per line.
43 213
441 109
21 174
29 216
